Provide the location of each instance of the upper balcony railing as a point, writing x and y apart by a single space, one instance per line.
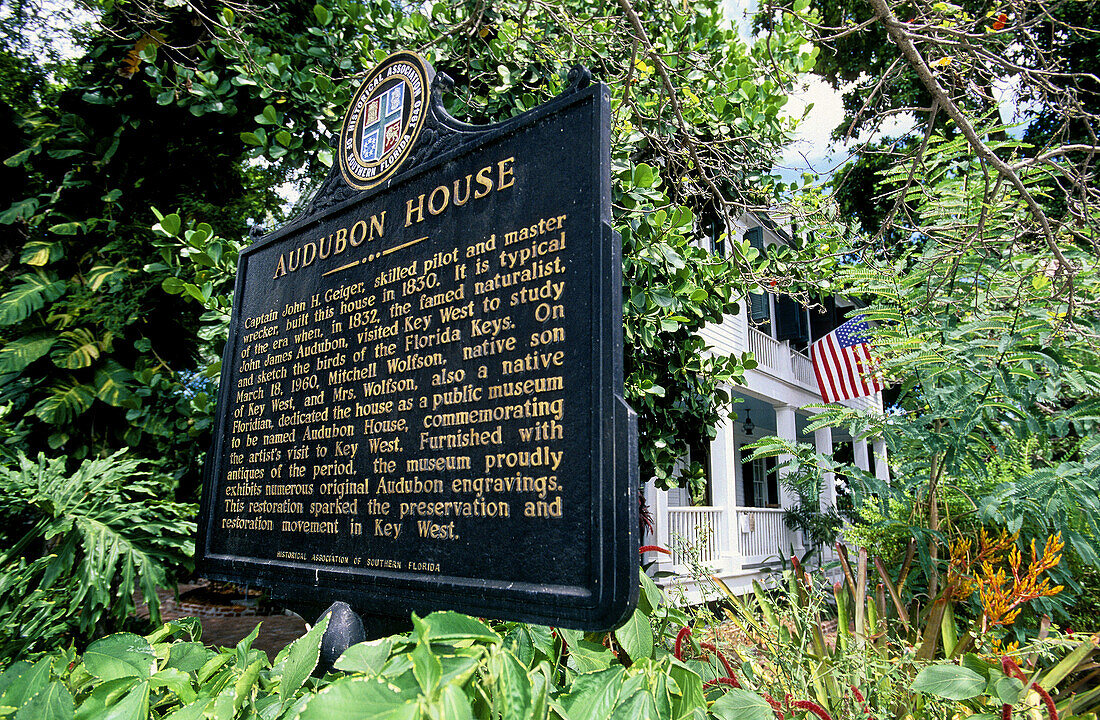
734 335
766 349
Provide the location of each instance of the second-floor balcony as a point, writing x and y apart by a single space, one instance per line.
778 361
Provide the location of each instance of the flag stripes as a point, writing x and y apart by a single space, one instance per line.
843 364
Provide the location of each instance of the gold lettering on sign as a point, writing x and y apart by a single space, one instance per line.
417 398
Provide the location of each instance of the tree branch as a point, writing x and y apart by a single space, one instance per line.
902 39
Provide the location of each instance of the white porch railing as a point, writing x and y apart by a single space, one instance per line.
803 369
695 530
760 534
765 348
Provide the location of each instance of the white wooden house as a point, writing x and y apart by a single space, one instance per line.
740 533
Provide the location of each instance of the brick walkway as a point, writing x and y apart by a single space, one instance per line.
226 625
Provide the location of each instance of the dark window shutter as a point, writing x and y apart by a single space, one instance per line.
823 323
773 482
790 320
758 307
755 236
749 499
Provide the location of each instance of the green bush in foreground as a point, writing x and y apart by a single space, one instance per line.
80 546
454 667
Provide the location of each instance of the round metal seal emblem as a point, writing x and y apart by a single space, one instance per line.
384 119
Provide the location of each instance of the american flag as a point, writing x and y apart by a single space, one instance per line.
842 362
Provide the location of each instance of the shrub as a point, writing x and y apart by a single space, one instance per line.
81 546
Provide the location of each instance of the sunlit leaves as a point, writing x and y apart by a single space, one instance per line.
30 294
77 349
17 354
64 403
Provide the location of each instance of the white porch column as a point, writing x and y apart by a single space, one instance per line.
657 500
859 449
823 441
882 470
723 490
786 429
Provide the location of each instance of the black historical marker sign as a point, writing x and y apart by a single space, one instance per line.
422 391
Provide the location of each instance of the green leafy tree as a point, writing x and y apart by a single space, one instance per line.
697 120
96 355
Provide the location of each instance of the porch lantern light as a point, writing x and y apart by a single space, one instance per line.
747 426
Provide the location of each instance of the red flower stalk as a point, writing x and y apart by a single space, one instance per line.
1011 668
859 696
775 705
1006 712
722 658
732 682
812 707
653 548
677 650
1048 701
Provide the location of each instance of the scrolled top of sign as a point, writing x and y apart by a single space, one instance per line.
384 120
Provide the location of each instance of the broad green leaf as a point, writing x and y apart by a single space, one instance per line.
426 668
104 273
740 704
104 696
32 680
242 689
639 705
69 228
134 706
949 681
64 403
172 285
17 354
301 660
651 595
448 625
690 684
20 157
53 703
193 711
30 295
359 698
512 689
169 224
112 386
120 655
12 673
177 681
1006 689
19 210
594 695
457 669
39 253
365 657
584 655
636 636
75 349
453 704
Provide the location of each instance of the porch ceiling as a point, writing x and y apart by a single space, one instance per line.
763 418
